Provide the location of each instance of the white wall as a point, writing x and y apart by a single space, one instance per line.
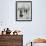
7 18
31 30
39 18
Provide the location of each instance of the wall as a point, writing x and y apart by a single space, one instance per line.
31 30
7 19
39 18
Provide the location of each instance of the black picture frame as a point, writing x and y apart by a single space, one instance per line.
28 10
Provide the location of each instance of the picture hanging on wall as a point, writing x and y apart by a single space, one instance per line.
23 10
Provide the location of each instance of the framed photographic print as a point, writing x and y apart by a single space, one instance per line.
23 10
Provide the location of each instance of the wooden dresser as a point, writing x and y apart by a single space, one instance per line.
11 40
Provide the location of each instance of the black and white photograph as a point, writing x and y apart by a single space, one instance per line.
23 10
